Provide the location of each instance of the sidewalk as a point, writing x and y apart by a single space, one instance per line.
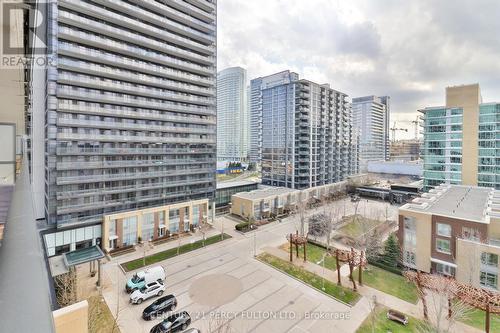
367 293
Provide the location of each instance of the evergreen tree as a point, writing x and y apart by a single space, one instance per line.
391 251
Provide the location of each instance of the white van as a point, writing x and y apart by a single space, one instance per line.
142 278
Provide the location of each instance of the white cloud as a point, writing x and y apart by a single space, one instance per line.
410 50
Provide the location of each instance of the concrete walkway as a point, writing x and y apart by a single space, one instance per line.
368 293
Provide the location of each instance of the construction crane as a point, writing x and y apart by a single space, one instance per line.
415 123
394 129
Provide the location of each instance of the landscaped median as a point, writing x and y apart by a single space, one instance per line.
340 293
170 253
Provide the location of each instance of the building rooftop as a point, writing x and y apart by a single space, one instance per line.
458 201
236 183
266 192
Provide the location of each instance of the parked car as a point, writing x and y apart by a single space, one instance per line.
161 305
174 323
152 289
192 330
142 278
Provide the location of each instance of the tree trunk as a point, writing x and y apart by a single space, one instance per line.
487 320
339 282
305 255
360 267
291 248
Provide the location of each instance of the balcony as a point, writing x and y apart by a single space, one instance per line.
89 54
129 138
124 176
66 209
130 89
138 39
132 151
66 106
197 17
130 188
126 75
127 164
130 50
137 25
159 20
114 98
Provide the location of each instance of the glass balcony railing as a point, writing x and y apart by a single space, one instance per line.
130 138
136 38
132 126
131 9
127 88
65 209
66 106
127 163
137 25
114 98
126 75
90 54
63 180
131 151
129 49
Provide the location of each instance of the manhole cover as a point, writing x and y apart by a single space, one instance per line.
215 289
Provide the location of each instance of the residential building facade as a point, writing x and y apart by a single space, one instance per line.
256 105
460 143
453 230
307 135
371 120
129 117
232 115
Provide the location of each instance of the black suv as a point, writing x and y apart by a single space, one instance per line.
161 305
177 322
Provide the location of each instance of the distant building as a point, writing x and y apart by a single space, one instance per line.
460 140
307 135
256 87
371 121
232 115
453 230
405 150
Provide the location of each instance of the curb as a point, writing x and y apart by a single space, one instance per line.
310 286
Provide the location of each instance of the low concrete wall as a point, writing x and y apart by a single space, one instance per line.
73 318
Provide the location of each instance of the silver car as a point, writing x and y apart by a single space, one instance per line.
155 288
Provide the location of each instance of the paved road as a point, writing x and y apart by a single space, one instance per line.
224 283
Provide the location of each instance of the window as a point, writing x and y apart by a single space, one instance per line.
443 246
471 234
410 258
443 230
488 280
489 259
445 269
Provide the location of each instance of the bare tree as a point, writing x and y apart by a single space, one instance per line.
66 288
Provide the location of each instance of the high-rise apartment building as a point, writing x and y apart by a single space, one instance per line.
460 143
232 115
371 121
256 87
126 117
306 133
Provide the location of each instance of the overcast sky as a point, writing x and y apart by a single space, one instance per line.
410 50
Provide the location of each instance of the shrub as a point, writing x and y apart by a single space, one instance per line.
242 226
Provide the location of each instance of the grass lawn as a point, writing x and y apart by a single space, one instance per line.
389 283
384 325
332 289
357 225
314 254
475 318
100 318
154 258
